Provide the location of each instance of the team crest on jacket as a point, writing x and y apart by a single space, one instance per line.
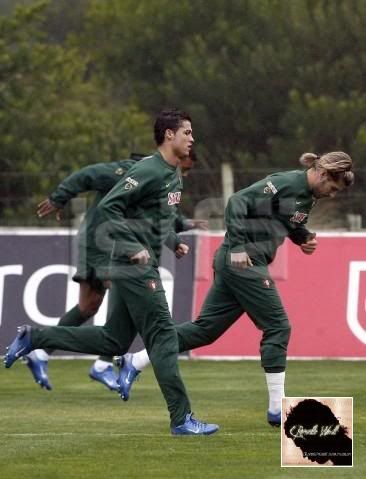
130 183
298 217
119 171
270 188
174 198
267 283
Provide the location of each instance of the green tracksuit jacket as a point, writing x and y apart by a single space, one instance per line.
258 219
101 178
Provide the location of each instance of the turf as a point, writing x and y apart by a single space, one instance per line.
81 430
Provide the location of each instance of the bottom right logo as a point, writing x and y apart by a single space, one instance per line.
317 431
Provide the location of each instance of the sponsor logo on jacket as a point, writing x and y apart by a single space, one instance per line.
298 217
174 198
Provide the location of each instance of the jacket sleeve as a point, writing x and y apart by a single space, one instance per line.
236 218
99 177
182 223
130 190
173 241
299 234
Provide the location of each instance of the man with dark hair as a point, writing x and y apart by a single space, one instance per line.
138 214
100 178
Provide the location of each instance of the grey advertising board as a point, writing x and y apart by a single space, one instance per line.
36 266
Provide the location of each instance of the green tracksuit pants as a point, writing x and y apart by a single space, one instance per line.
137 304
233 293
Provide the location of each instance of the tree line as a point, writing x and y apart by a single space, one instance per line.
264 81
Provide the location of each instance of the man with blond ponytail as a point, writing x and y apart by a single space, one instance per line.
333 170
258 219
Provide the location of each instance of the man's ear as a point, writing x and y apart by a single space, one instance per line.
169 134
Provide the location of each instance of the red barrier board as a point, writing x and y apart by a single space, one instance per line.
324 295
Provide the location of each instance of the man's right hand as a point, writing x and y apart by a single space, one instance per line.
45 208
142 257
240 260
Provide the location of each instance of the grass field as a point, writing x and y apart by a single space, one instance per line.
81 430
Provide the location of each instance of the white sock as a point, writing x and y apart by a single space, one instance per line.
39 354
276 390
100 365
140 360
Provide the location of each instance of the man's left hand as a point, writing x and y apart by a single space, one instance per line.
310 246
181 250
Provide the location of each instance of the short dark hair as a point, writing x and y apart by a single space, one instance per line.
168 120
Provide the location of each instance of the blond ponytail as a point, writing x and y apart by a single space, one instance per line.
337 163
308 159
